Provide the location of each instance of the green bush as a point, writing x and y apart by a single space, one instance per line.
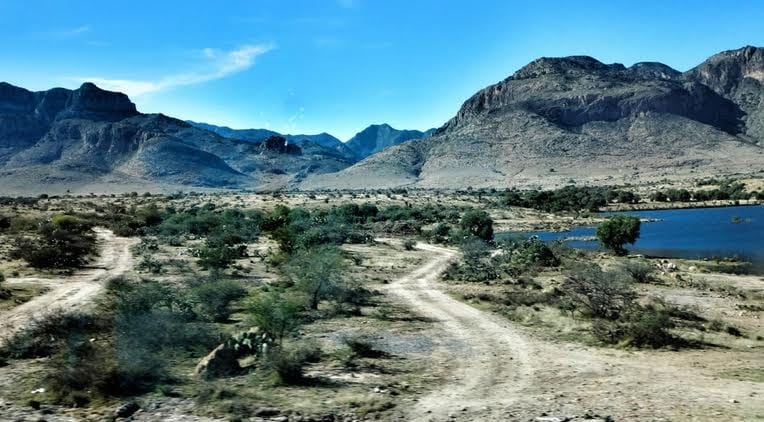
477 223
568 198
318 273
63 242
641 326
44 337
213 298
288 362
615 232
276 314
640 271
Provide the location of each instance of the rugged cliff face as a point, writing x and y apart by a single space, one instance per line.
66 139
738 75
575 118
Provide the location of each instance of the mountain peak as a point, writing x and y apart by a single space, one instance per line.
564 65
377 137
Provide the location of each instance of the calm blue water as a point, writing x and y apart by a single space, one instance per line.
690 233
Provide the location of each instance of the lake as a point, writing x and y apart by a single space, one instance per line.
692 233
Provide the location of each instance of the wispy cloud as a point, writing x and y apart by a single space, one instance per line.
76 31
63 33
219 64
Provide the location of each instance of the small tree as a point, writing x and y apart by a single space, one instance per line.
317 272
477 223
276 314
615 232
600 294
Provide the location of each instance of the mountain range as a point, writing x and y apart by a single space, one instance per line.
553 122
576 120
369 141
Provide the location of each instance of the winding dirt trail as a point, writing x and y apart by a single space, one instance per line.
501 372
72 292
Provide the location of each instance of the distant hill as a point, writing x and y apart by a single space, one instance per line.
375 138
90 139
323 139
576 120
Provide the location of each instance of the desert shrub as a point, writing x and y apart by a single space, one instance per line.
471 271
409 244
362 346
615 232
641 326
640 271
45 336
213 298
477 223
63 242
318 273
568 198
521 256
216 255
441 233
598 293
288 362
5 222
276 314
4 293
148 263
649 326
84 368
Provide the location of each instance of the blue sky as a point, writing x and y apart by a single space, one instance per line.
340 65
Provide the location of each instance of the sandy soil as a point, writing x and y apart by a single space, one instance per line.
502 372
72 292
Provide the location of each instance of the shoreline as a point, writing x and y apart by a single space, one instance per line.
660 206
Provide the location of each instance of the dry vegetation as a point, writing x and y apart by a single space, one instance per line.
294 289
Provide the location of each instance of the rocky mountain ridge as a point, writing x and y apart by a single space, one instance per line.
92 139
558 120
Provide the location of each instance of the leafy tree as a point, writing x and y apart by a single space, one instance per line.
477 223
276 314
317 272
615 232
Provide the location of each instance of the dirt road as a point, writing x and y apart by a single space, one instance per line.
71 292
502 372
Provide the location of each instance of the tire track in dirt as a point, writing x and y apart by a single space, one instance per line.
500 373
72 292
494 361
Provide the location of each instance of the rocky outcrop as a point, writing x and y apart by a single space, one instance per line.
280 145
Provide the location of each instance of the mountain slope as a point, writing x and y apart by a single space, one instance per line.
322 139
575 118
375 138
93 139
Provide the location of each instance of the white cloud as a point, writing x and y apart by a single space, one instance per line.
220 64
